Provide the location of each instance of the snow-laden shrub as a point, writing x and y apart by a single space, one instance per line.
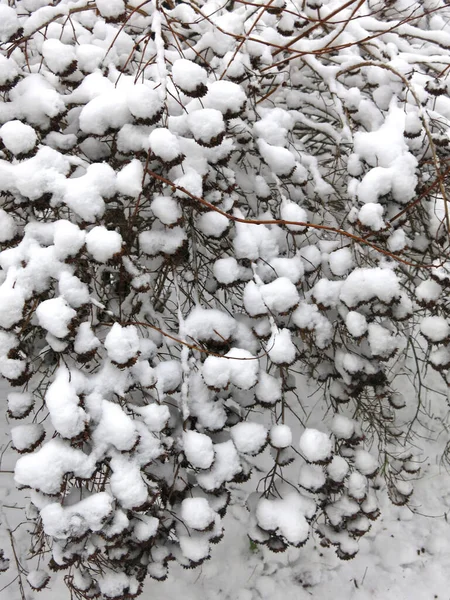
204 206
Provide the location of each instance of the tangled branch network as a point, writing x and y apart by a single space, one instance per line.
207 210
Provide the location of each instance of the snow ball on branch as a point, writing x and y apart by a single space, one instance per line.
371 215
226 466
279 159
363 285
435 329
55 315
365 462
340 261
9 23
281 349
162 242
197 513
338 469
165 145
8 227
59 57
155 416
110 9
68 239
268 389
209 324
427 292
25 438
280 295
342 427
189 77
311 477
19 404
290 211
238 366
280 436
249 438
356 324
44 469
286 516
207 126
315 446
227 97
213 224
198 449
38 579
114 428
62 400
129 179
122 343
144 104
102 244
18 137
63 522
166 209
127 485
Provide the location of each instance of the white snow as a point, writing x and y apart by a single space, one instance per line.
342 427
280 296
85 339
290 211
8 227
73 521
155 416
188 75
103 244
38 579
110 8
19 404
166 209
315 445
24 437
197 513
164 144
58 56
9 23
198 449
365 462
280 436
225 96
122 343
435 329
280 160
55 315
18 137
238 366
363 285
280 348
248 437
114 428
341 261
206 124
356 323
338 468
311 477
129 179
226 466
44 469
68 418
371 215
268 389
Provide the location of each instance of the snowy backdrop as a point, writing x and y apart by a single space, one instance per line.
224 321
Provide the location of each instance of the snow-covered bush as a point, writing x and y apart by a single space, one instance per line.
204 207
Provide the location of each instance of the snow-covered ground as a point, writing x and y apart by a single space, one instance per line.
405 556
